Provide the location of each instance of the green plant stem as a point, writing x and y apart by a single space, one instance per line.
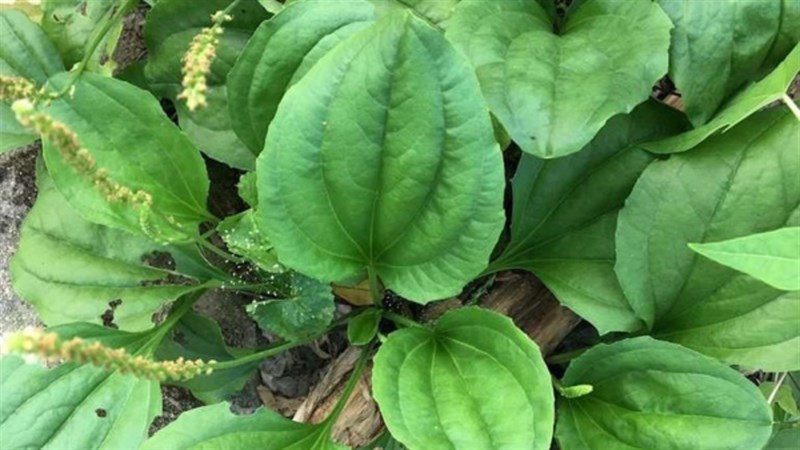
272 350
358 369
566 357
225 11
94 41
374 289
219 252
774 393
402 320
790 103
278 347
183 306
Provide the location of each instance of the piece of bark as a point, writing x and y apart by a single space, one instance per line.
360 421
520 296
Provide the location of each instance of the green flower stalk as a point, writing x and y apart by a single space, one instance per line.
50 348
79 158
197 62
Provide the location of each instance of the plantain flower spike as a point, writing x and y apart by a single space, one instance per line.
79 158
16 88
50 348
197 62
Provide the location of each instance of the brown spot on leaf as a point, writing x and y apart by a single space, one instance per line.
108 315
101 413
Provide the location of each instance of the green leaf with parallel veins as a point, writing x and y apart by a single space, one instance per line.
73 406
719 46
216 427
474 380
436 12
209 128
565 214
716 192
280 53
611 51
772 88
26 52
73 270
70 25
244 237
304 313
652 394
169 30
247 189
772 257
362 328
784 398
383 156
128 135
198 337
785 439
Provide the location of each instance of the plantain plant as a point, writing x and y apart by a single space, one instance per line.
375 141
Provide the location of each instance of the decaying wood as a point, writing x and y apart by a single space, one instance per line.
360 421
520 296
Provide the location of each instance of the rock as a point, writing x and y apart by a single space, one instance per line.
17 193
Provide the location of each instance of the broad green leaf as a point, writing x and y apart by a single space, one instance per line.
772 257
784 398
243 236
25 52
735 184
280 53
12 134
198 337
72 406
384 442
71 24
128 135
216 427
788 32
785 439
565 214
247 188
362 328
305 312
553 92
209 128
73 270
474 380
651 394
383 156
437 12
770 89
717 47
169 30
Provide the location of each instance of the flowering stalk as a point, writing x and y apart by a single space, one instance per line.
197 61
16 88
79 158
49 347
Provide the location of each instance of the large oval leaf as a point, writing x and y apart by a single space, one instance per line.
718 46
199 337
565 215
757 96
128 135
171 25
26 52
738 183
280 52
71 24
651 394
472 381
216 427
772 257
73 406
553 92
73 270
383 156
